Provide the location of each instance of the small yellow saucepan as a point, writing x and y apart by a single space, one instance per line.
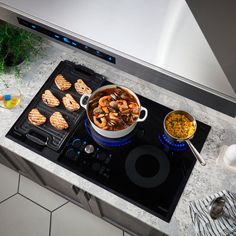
180 126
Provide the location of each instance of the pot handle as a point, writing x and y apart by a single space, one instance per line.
145 115
196 153
82 99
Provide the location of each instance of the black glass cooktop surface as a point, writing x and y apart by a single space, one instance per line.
143 167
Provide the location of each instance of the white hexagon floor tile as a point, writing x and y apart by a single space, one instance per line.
73 220
21 217
8 182
40 195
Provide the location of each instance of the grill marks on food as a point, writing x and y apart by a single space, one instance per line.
62 83
58 121
49 99
36 118
70 103
82 88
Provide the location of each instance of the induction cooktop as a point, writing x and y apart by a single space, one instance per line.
144 167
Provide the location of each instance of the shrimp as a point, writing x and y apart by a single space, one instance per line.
105 109
113 104
104 101
134 108
125 111
100 122
100 115
114 116
122 104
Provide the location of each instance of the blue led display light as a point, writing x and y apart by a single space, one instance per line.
68 41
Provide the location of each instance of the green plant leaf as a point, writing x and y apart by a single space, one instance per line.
18 45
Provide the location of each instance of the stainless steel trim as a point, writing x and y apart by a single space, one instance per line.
146 71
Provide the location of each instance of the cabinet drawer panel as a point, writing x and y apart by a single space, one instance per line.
126 221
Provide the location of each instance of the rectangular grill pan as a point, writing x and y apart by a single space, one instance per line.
46 134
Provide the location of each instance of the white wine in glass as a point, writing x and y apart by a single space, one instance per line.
10 97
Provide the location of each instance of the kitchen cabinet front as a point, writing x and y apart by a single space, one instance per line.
121 219
63 188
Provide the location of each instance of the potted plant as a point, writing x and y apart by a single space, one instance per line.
16 46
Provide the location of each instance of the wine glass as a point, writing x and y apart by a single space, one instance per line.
9 97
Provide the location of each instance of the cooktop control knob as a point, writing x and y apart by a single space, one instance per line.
71 154
89 149
76 143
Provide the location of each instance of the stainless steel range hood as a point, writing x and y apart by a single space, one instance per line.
157 40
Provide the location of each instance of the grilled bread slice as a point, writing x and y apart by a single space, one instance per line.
82 88
70 103
62 83
49 99
58 121
36 118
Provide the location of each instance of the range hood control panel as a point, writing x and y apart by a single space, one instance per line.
67 40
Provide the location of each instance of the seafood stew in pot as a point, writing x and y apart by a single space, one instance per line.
113 109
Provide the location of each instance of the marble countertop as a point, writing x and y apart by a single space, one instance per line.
215 176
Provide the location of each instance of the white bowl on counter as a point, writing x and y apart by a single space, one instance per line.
230 156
